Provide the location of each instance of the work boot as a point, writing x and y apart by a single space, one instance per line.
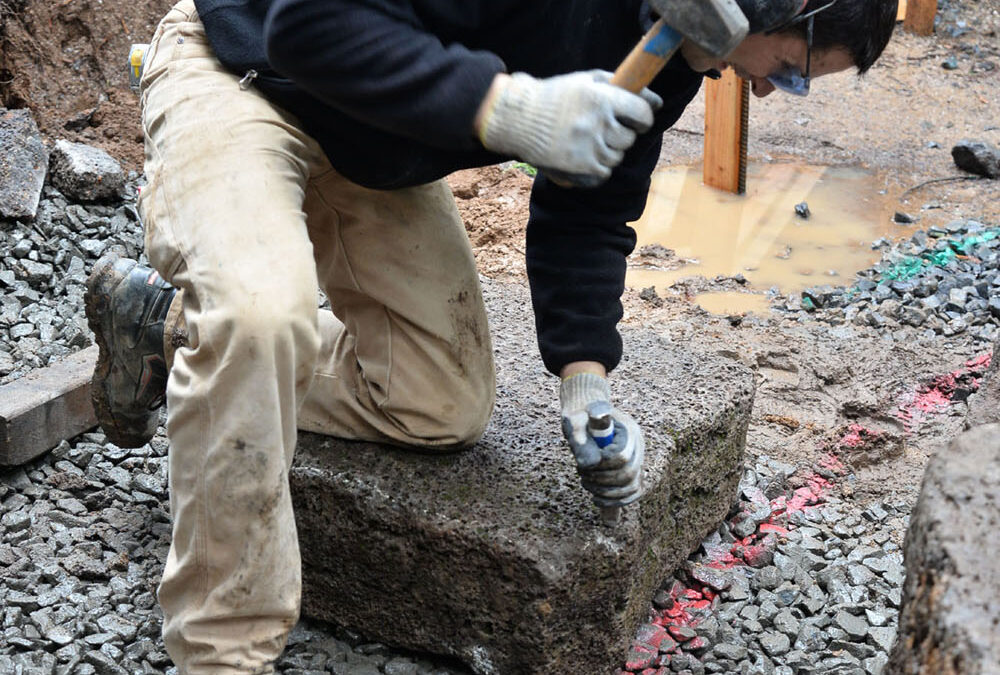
126 306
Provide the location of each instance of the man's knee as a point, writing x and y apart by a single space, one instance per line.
447 424
266 325
469 426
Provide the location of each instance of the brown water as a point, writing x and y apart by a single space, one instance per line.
759 235
733 302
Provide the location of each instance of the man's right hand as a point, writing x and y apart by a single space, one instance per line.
577 124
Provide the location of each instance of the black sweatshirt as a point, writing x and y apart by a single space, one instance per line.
389 88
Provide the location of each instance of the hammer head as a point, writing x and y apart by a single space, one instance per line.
716 26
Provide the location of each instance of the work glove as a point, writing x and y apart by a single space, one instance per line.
574 125
612 474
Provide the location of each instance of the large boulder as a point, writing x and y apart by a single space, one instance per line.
497 555
24 161
950 620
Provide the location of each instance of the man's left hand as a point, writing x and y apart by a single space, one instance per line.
612 474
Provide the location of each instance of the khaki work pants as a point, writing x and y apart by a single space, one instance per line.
244 213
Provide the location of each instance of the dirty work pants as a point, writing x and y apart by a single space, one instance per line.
244 213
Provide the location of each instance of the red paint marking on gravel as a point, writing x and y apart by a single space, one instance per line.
689 604
776 529
833 464
937 395
981 362
856 436
641 657
696 643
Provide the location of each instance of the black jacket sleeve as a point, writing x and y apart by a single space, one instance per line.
377 62
577 241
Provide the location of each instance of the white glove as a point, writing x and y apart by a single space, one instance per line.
613 473
576 124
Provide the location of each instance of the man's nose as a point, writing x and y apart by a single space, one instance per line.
761 87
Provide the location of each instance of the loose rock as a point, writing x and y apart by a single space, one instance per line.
23 165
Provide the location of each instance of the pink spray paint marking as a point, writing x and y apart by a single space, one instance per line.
936 396
689 603
832 463
856 436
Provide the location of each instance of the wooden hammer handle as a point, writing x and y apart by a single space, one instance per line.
648 57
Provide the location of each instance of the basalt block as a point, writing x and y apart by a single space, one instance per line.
496 555
951 598
23 164
85 173
977 157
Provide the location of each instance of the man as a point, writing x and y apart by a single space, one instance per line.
292 144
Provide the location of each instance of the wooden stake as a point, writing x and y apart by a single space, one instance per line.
727 103
901 10
920 16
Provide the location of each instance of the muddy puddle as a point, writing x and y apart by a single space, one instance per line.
759 234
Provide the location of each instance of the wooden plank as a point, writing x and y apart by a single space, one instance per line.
920 16
901 10
45 407
726 106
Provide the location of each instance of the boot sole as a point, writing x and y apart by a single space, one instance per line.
97 308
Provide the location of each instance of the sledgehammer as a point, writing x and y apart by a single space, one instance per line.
716 26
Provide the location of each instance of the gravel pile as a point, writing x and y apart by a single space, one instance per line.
796 581
85 533
945 281
43 269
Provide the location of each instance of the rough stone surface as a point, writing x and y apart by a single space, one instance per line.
951 603
23 164
984 405
484 554
85 173
977 157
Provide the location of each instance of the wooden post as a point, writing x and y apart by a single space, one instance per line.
901 10
727 104
920 16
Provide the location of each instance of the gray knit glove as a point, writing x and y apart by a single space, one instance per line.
577 124
613 473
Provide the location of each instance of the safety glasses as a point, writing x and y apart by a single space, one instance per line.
790 79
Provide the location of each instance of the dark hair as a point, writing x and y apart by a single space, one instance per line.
862 27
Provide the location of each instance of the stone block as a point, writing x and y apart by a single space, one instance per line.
496 555
85 173
977 157
951 597
45 407
23 164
